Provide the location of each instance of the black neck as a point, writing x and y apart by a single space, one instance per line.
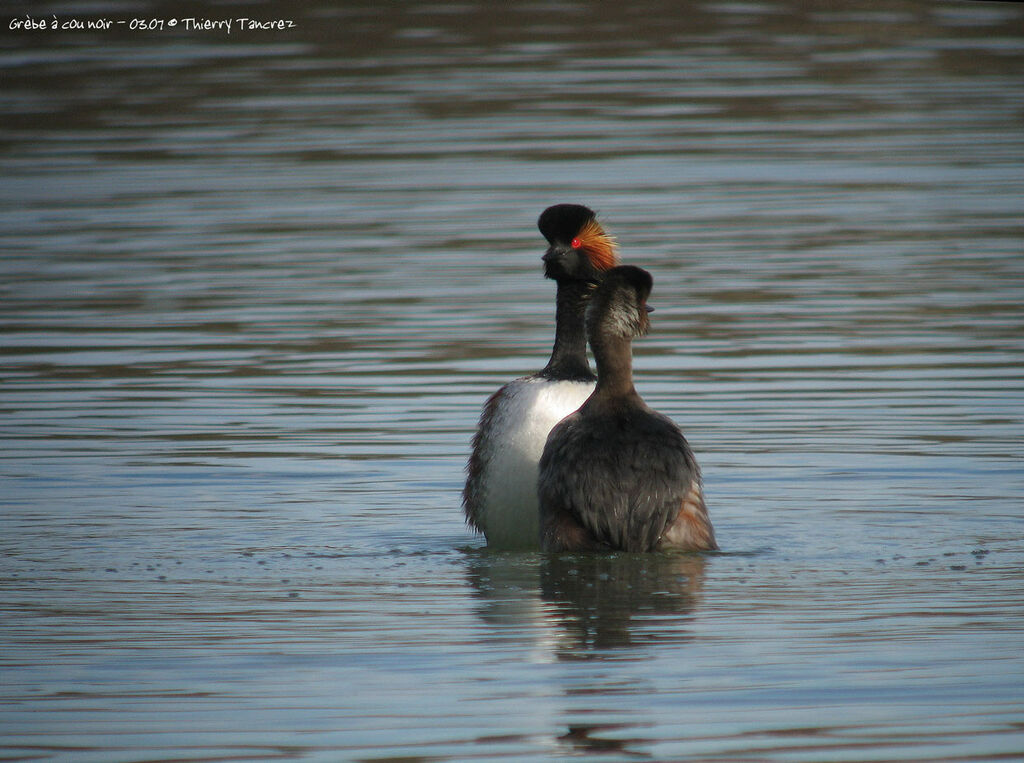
569 355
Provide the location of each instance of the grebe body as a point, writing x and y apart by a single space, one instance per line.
513 430
617 475
500 495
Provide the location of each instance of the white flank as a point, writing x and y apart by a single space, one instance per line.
519 430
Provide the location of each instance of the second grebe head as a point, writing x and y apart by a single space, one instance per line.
618 308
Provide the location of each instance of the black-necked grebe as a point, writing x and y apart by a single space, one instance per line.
500 497
616 475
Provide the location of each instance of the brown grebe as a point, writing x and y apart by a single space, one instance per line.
500 496
617 475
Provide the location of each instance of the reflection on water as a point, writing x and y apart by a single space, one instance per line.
610 602
587 604
255 288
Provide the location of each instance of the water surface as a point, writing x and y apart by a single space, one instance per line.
254 289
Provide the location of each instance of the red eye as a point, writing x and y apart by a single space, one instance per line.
575 243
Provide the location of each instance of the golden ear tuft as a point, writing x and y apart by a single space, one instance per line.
600 248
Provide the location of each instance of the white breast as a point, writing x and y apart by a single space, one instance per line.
519 429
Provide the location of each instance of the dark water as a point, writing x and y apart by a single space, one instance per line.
254 288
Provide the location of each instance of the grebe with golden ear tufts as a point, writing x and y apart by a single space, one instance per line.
500 496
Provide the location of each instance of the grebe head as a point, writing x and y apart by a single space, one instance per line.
619 307
579 249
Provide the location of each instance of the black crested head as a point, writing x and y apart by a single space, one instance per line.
561 222
578 247
618 307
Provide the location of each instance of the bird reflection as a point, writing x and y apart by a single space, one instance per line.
578 606
620 601
585 739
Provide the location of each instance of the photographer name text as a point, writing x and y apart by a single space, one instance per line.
188 24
